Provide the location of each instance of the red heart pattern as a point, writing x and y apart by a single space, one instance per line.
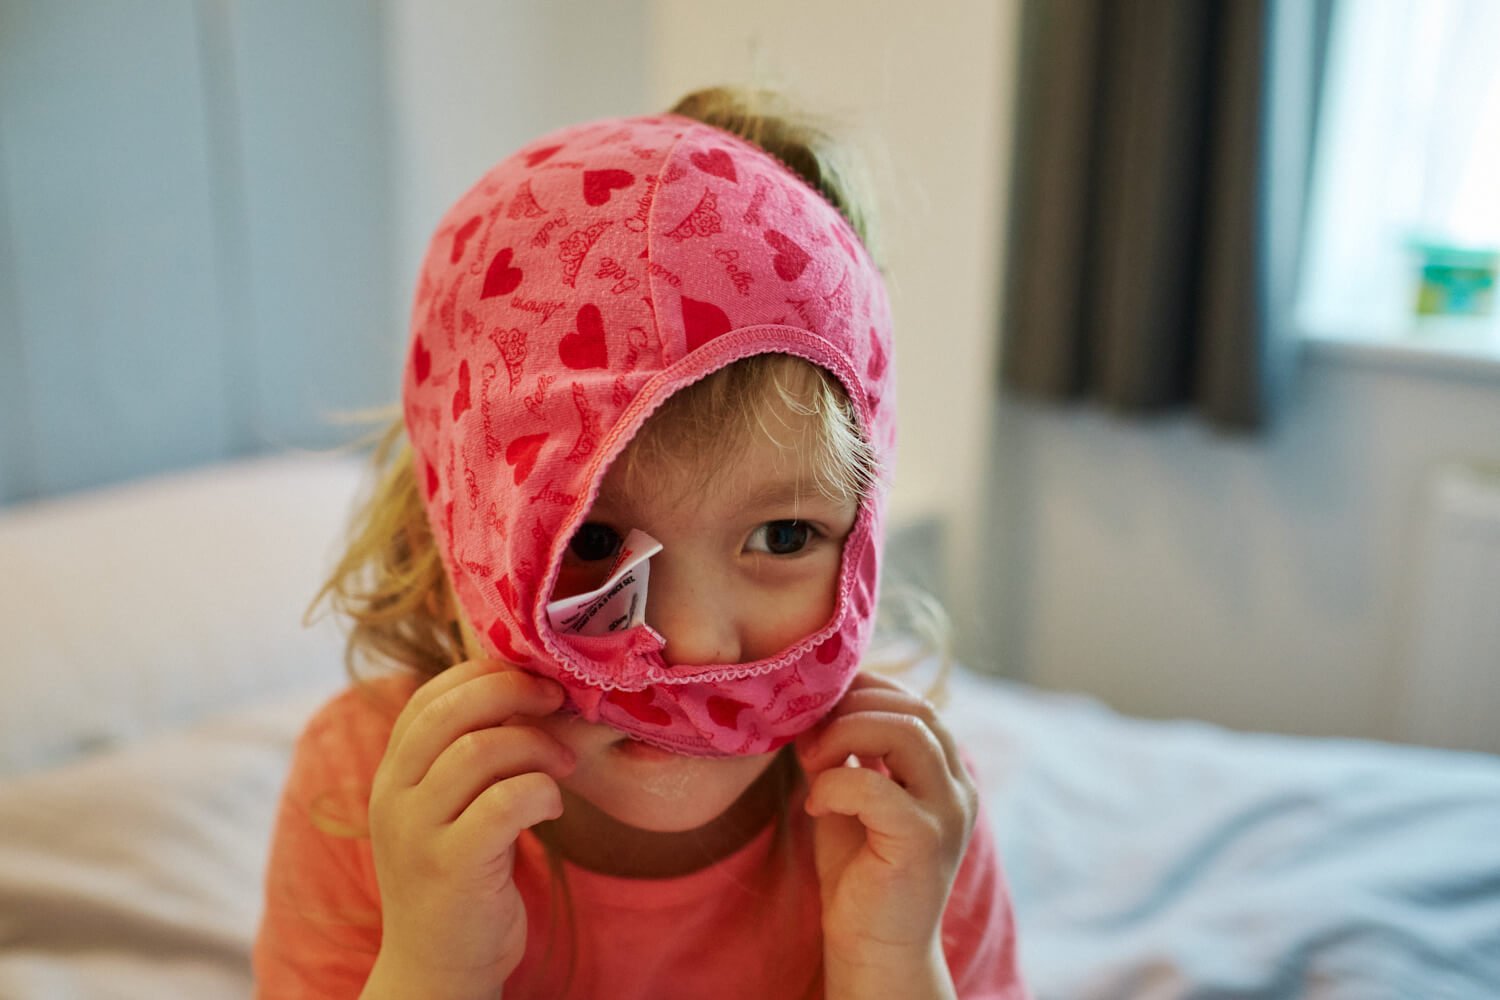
540 156
421 360
876 368
461 395
790 260
598 185
725 711
641 705
702 322
522 453
717 162
507 592
500 637
829 649
587 347
501 278
462 237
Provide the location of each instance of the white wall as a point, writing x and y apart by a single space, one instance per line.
1259 583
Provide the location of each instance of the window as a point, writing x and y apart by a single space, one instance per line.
1403 230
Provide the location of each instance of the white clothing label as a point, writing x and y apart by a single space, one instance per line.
620 602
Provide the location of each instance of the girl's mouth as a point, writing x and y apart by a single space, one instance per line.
635 749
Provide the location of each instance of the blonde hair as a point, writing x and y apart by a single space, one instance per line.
389 586
718 414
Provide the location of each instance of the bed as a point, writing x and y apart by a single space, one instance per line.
156 675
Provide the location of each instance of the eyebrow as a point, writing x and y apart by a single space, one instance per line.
782 493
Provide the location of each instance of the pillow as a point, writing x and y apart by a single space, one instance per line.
141 607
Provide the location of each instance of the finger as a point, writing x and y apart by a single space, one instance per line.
851 700
878 698
479 759
882 699
902 741
866 680
434 687
497 815
480 702
891 818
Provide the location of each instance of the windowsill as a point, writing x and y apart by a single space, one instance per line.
1457 350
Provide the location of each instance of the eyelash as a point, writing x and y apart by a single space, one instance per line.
592 535
810 536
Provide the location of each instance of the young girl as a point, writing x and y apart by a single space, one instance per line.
629 561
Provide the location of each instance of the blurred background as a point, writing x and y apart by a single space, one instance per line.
211 215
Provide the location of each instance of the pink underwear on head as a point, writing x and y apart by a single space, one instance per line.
580 283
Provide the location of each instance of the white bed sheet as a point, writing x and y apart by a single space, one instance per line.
1177 859
137 873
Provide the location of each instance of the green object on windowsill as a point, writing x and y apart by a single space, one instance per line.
1455 280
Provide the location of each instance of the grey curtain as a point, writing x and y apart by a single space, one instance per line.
1161 156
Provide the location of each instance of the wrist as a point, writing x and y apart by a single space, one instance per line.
919 973
392 978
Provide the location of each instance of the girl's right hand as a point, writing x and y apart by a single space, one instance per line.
462 776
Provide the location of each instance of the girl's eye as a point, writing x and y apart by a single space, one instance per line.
781 538
593 542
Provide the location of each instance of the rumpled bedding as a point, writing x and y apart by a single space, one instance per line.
137 873
1177 859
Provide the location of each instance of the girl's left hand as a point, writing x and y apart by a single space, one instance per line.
889 834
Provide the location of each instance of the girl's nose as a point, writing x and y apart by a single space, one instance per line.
693 612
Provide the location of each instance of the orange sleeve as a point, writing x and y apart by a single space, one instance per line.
979 927
320 930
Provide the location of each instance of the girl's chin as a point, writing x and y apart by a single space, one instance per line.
657 790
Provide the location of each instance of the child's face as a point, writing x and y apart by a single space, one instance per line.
750 553
749 565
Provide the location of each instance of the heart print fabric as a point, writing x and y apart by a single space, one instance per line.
575 287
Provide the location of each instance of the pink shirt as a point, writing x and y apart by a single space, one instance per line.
747 926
